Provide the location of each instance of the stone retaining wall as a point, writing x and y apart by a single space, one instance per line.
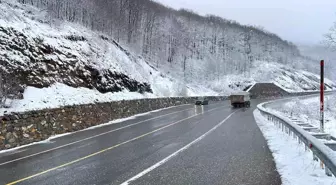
19 129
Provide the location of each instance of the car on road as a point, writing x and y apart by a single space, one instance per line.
240 99
202 101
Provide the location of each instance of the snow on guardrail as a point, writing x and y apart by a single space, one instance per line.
321 152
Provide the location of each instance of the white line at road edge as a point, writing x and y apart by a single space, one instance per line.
104 133
175 153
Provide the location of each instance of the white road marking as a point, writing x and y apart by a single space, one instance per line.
175 153
107 149
104 133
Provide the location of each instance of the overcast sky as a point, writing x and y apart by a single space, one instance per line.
299 21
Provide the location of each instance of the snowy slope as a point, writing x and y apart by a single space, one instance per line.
60 63
71 54
262 71
308 110
321 52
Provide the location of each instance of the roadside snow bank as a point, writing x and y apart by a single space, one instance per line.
294 164
61 95
308 110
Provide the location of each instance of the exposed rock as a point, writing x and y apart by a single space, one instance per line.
10 128
44 122
15 135
9 135
12 140
74 118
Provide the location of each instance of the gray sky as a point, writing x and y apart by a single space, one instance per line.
299 21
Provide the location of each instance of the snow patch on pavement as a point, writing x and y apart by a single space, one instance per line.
294 164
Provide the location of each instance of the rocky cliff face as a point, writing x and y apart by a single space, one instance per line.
34 62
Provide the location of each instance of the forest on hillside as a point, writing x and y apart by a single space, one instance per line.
193 46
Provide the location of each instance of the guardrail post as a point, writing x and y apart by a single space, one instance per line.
328 172
282 127
315 157
286 127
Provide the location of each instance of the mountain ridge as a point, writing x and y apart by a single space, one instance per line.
57 58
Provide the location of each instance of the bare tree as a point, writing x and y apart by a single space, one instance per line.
5 90
330 38
168 37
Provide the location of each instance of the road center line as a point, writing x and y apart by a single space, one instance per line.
175 153
88 138
108 149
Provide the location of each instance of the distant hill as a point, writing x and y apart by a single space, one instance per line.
58 62
320 52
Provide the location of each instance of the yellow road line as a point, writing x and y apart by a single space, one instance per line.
107 149
91 137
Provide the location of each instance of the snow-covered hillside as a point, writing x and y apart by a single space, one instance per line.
321 52
72 55
289 79
308 110
61 63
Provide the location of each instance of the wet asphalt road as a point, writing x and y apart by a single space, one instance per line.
233 153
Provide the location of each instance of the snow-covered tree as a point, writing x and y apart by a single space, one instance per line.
178 40
330 38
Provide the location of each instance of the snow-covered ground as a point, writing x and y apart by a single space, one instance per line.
308 110
295 165
61 95
263 71
100 52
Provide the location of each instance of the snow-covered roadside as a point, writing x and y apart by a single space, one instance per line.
308 110
295 165
62 95
103 54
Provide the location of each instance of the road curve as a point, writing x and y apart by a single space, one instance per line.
212 144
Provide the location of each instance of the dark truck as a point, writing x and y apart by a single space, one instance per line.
201 101
241 99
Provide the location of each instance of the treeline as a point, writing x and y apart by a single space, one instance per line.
176 40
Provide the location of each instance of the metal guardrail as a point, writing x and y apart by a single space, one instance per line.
320 151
